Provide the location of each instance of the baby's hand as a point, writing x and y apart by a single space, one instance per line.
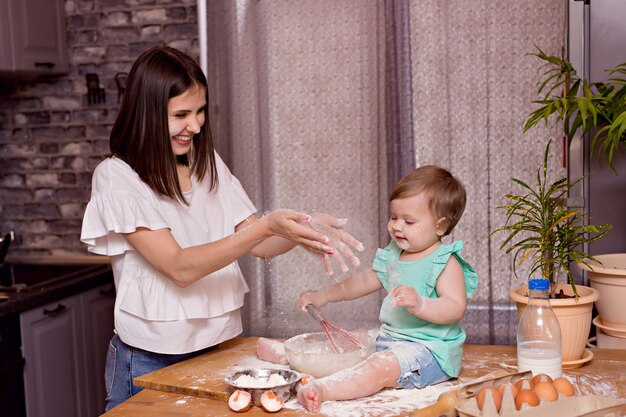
317 298
339 239
405 296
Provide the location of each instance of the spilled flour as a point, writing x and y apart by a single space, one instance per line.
385 403
593 385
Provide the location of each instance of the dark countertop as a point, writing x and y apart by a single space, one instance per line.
51 279
59 260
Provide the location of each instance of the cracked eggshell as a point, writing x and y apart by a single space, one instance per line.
270 402
240 401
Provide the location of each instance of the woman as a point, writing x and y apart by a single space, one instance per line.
174 221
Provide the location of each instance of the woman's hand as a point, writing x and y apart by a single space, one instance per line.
339 240
325 237
317 298
289 225
405 296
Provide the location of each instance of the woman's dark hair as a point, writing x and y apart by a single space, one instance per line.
446 194
140 134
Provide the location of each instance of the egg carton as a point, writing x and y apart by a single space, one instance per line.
576 406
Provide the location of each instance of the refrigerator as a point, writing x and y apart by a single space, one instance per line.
596 41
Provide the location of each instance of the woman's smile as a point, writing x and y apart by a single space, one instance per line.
186 118
183 140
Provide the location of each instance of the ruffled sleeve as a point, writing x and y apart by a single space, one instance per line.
381 261
439 261
109 214
119 203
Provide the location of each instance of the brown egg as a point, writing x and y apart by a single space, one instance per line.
526 396
546 390
240 401
480 397
502 387
520 384
270 402
539 378
563 386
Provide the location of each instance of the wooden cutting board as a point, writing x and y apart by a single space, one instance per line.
203 376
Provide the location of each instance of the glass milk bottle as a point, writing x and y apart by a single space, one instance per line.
539 333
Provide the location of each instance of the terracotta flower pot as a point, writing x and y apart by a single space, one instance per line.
610 281
574 316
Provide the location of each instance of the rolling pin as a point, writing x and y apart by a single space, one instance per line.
447 401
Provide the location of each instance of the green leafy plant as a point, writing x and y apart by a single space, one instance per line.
543 230
583 106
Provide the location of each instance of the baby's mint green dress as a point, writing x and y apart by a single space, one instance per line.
445 341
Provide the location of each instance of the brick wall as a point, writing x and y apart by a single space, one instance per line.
51 139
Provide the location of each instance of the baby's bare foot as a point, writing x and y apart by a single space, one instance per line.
271 350
310 396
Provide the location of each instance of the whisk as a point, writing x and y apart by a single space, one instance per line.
328 327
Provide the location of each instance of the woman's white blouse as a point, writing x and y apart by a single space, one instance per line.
151 312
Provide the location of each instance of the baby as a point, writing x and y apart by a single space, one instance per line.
427 283
271 350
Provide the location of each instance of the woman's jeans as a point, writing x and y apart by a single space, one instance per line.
125 362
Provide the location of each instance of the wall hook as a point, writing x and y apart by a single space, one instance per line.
95 93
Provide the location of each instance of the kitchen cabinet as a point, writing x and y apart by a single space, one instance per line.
97 307
53 372
64 346
33 38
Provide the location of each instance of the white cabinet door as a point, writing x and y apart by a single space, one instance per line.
53 354
97 314
33 36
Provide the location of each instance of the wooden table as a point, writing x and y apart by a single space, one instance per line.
173 392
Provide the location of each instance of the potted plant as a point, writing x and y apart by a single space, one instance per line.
542 230
598 108
584 106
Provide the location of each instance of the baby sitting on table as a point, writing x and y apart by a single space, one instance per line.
428 282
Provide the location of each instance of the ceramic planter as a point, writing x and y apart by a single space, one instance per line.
609 279
574 317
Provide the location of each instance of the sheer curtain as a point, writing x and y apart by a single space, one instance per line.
297 87
324 105
473 86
